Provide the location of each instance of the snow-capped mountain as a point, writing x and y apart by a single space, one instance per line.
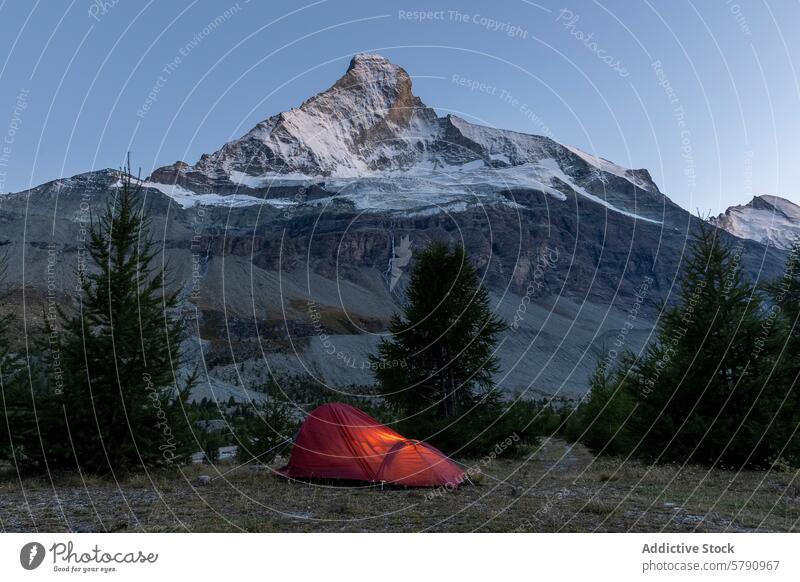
766 219
369 141
291 246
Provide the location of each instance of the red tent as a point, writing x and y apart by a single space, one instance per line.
338 441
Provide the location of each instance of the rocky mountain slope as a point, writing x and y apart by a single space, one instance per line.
766 219
291 244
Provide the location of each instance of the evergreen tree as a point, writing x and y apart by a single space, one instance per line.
783 346
699 388
437 368
122 398
440 359
265 429
18 429
32 433
603 421
719 386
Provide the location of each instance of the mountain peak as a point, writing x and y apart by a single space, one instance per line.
376 86
766 219
371 61
371 132
370 115
379 80
776 204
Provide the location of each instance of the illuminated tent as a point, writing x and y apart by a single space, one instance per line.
338 441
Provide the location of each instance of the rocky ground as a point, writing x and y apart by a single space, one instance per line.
559 489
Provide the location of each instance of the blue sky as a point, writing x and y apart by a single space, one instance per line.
703 94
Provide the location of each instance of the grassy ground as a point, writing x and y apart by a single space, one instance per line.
561 488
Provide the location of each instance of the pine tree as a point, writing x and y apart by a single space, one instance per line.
265 429
18 427
122 397
603 422
699 389
32 430
784 348
436 370
439 360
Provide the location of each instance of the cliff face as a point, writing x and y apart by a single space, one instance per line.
309 292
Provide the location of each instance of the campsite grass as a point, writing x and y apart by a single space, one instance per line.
560 488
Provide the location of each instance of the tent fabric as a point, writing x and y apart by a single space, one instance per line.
338 441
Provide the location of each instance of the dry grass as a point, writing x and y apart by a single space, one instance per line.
561 488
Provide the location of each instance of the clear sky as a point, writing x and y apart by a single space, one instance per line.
704 94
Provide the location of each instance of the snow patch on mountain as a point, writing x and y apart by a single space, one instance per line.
418 189
555 172
604 165
188 199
